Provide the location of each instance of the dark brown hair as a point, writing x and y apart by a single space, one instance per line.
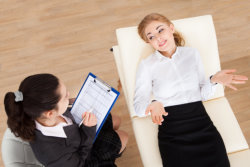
39 95
179 40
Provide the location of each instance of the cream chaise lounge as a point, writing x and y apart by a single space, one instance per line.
199 33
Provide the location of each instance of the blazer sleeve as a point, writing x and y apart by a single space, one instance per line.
87 136
78 158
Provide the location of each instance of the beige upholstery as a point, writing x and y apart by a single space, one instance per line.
198 33
223 118
240 159
16 152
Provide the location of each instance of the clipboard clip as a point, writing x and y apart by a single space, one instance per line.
104 83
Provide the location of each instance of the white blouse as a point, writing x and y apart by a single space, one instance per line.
174 81
55 131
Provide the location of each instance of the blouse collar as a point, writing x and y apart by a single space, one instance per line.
55 131
162 57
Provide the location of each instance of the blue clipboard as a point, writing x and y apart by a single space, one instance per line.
103 85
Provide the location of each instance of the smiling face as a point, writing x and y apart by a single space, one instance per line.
160 36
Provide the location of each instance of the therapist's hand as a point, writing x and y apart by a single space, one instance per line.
157 110
227 78
71 101
89 119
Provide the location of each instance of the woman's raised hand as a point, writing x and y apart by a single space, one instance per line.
89 119
157 110
227 78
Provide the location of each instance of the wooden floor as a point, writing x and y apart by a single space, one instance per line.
71 38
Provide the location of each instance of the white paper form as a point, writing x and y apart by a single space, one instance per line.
93 95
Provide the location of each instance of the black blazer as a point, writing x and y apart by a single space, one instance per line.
71 151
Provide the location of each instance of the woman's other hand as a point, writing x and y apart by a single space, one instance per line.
89 119
157 110
227 78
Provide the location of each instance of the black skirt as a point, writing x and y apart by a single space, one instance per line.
106 148
188 138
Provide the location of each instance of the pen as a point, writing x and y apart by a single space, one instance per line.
90 110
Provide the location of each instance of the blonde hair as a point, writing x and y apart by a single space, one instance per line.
179 40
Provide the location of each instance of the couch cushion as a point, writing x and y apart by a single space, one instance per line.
223 118
240 159
119 66
146 134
